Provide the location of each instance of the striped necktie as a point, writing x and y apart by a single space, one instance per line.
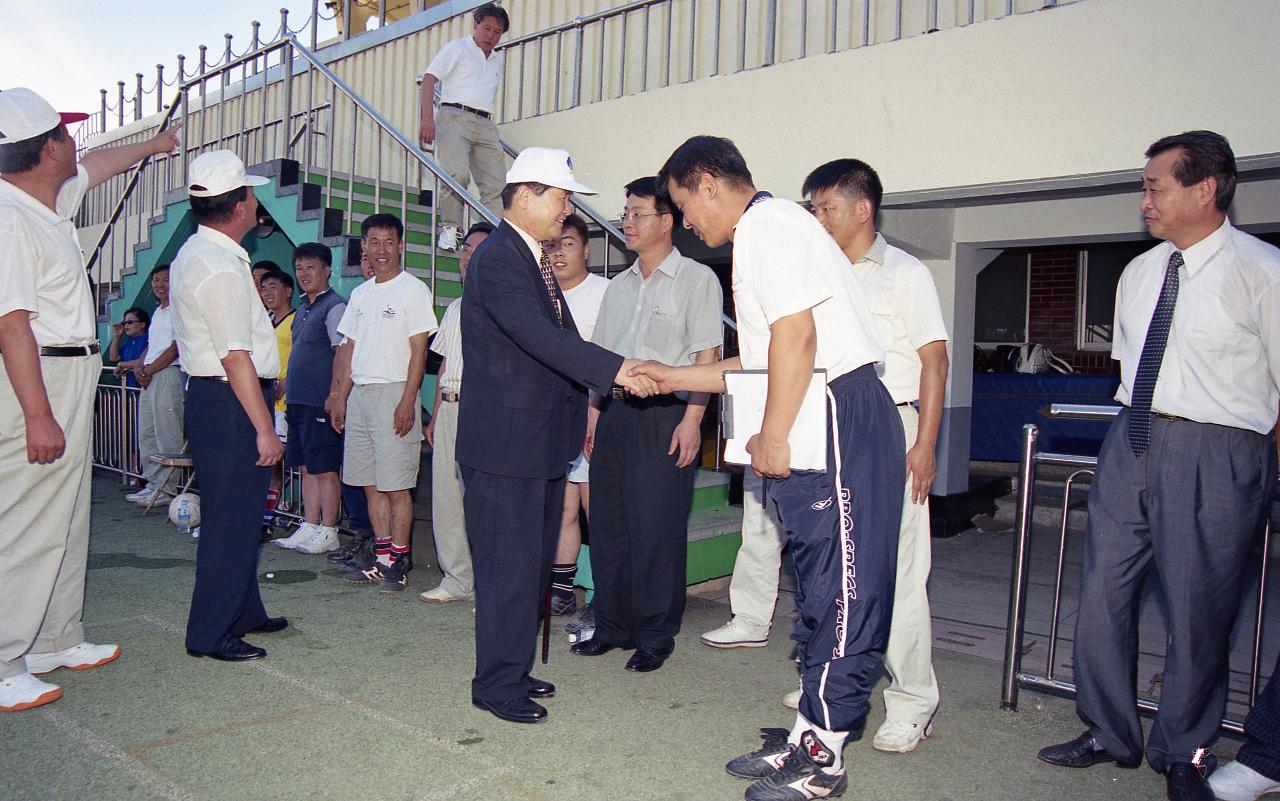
1144 383
549 278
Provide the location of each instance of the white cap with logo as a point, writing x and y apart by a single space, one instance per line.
25 114
218 172
546 165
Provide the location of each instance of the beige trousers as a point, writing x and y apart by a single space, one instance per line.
44 518
160 409
447 523
753 590
467 148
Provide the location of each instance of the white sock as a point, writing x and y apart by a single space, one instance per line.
833 740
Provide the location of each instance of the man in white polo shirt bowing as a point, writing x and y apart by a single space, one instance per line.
796 312
51 365
229 349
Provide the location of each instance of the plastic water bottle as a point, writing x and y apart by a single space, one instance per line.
184 519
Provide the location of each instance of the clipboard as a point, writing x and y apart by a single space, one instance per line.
742 413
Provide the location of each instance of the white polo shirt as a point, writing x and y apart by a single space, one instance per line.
466 76
1222 361
42 269
904 306
584 303
160 335
216 308
380 318
783 263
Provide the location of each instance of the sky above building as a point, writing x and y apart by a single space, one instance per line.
67 50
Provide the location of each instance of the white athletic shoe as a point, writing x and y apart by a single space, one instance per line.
322 540
449 237
77 657
143 494
792 699
25 691
737 633
897 737
1236 782
291 542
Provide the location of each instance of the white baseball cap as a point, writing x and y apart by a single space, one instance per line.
546 165
218 172
24 114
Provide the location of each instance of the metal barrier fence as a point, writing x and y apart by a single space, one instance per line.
1015 677
115 427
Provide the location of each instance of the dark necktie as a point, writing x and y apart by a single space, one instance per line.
1144 382
549 278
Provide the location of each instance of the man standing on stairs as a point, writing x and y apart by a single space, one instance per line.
378 374
665 307
463 130
51 366
845 196
161 403
229 351
448 526
1186 471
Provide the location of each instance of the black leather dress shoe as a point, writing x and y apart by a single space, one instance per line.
1082 752
271 625
647 660
539 688
232 649
517 710
592 647
1184 781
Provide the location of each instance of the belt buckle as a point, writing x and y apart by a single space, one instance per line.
617 393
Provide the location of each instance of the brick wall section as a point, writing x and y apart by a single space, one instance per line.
1053 307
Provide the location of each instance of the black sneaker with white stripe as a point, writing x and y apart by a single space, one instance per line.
763 761
802 776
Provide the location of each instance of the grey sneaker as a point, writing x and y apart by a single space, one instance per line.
802 776
561 606
582 626
396 577
765 760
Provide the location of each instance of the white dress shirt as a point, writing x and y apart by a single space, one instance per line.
160 335
466 76
785 262
1222 361
216 307
904 305
42 267
448 343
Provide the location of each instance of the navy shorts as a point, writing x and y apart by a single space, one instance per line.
312 442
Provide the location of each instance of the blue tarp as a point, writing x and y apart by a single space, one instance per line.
1004 402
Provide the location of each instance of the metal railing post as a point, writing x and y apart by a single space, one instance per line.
159 88
1021 567
120 104
1255 664
770 32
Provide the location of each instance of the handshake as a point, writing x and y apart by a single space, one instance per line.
646 378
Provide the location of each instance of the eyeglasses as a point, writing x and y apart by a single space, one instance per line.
635 216
133 322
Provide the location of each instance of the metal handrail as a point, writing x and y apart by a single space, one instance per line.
1014 677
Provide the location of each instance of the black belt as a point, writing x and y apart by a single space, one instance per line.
69 350
1170 417
904 403
264 382
474 111
450 397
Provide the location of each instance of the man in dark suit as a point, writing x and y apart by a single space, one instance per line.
520 422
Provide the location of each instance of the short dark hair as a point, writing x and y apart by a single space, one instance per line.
714 155
383 221
139 312
1205 154
217 209
279 276
265 264
509 191
24 155
492 10
313 250
159 268
482 227
579 227
650 187
851 177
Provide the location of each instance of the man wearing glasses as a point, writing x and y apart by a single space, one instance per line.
643 451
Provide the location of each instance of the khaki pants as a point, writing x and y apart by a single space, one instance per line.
160 421
467 147
447 520
44 518
753 590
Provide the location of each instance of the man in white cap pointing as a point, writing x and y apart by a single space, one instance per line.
521 421
50 354
229 350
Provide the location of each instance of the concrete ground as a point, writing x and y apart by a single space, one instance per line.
365 696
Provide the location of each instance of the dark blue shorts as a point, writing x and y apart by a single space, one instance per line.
312 442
